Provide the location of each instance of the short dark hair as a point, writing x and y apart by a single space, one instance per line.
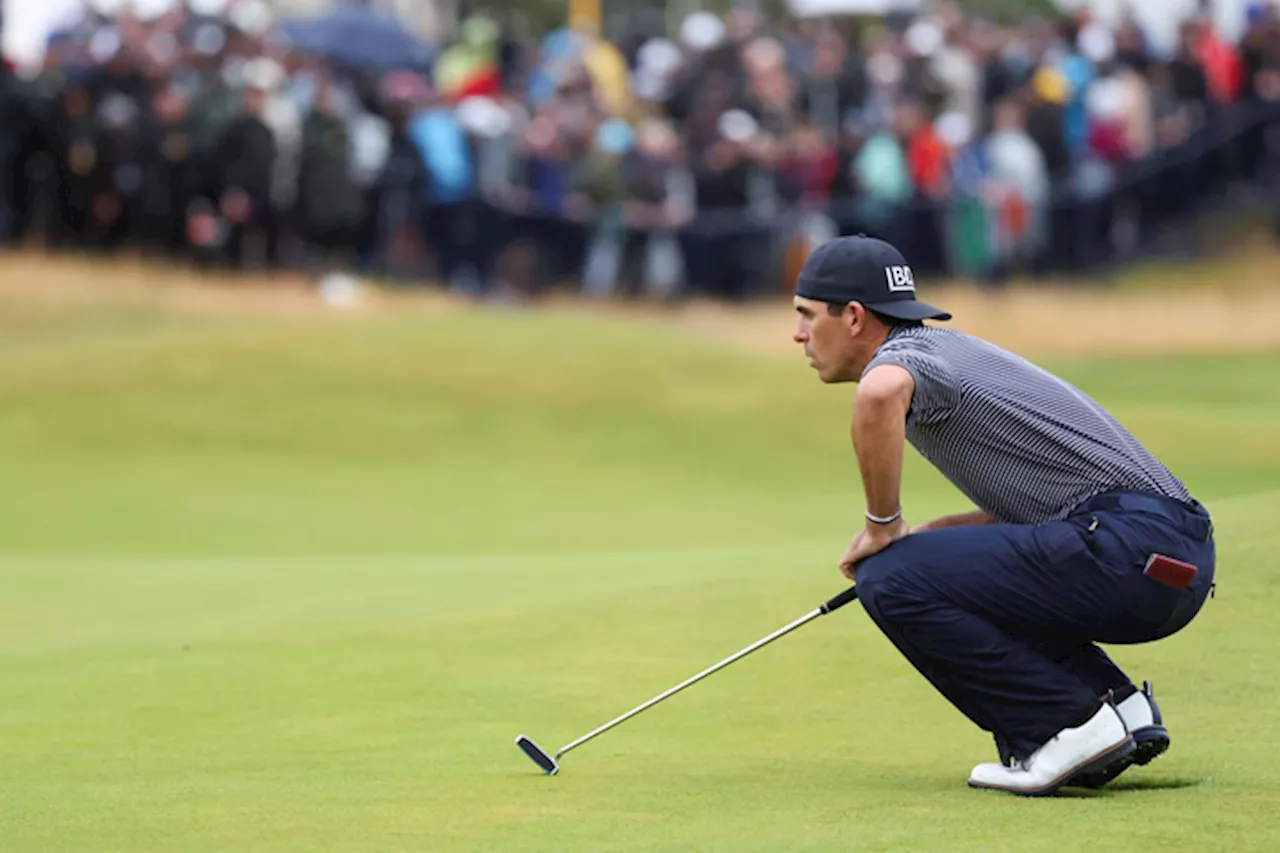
835 309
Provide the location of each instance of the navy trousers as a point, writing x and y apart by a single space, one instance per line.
1004 619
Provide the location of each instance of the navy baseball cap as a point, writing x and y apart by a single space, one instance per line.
865 270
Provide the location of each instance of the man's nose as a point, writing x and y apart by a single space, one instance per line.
801 334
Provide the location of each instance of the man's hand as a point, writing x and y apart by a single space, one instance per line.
869 542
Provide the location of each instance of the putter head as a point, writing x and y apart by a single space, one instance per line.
539 756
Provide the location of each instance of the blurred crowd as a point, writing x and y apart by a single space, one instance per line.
702 161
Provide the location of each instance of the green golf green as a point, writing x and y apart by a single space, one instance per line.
296 586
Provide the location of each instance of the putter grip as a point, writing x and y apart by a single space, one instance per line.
840 600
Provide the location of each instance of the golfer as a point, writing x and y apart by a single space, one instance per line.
1080 536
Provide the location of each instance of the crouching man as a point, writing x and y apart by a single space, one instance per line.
1080 535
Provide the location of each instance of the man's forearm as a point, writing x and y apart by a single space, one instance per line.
879 435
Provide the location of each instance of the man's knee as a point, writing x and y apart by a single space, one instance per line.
887 587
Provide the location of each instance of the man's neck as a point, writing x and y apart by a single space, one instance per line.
874 346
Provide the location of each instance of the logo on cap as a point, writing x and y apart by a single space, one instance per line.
900 279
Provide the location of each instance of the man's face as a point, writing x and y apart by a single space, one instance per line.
829 341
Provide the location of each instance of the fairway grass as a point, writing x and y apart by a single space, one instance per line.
275 585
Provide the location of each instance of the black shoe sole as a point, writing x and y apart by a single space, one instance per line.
1150 743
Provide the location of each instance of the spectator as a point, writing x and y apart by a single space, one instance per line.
1172 116
1046 100
1108 137
660 201
882 172
598 196
772 95
446 214
1130 75
284 119
1190 85
956 70
725 247
808 167
1221 63
967 222
832 85
171 180
1267 86
852 136
549 158
928 162
331 203
1079 73
1005 62
245 180
37 167
75 140
402 186
11 138
927 154
1018 187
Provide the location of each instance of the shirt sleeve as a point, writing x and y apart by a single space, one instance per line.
937 391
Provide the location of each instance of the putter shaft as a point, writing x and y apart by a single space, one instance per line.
786 629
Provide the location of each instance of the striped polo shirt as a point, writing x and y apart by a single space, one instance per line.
1024 445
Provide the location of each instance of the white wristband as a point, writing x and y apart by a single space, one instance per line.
875 519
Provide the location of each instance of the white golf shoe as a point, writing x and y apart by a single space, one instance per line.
1141 716
1088 748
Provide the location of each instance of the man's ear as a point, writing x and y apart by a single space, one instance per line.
855 316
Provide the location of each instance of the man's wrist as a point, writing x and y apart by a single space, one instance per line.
883 520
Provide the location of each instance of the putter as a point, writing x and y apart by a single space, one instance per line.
551 764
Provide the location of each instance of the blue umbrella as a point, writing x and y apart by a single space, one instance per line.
358 35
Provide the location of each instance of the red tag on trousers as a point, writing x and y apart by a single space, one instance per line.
1169 571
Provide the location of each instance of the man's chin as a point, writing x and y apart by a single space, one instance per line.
828 379
829 376
834 378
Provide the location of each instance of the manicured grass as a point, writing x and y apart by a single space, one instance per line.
278 586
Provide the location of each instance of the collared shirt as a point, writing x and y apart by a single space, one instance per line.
1024 445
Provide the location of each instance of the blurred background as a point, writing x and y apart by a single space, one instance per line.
624 148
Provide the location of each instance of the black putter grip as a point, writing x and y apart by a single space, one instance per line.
840 600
